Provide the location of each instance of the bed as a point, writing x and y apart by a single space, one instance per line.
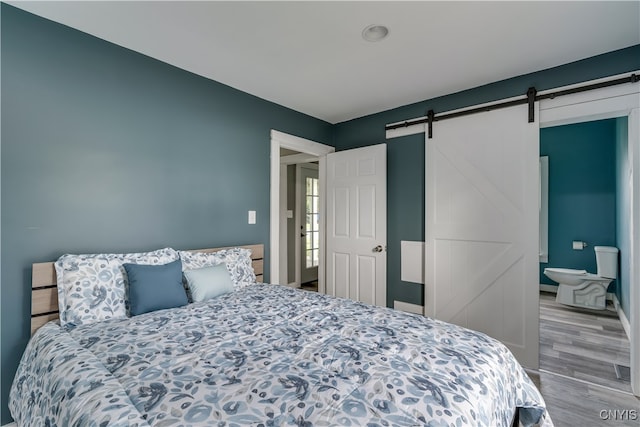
258 354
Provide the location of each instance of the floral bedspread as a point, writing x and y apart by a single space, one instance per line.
268 355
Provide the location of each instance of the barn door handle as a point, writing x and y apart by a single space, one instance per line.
378 248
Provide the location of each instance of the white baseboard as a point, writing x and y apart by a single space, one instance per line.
623 317
408 307
10 425
549 288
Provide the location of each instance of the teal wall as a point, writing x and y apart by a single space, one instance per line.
104 149
582 192
405 172
623 216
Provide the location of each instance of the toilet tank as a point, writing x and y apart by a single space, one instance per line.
607 261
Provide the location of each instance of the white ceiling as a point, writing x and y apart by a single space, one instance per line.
310 56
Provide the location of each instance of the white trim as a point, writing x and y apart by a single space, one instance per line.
606 104
549 288
623 317
283 140
302 145
10 425
634 256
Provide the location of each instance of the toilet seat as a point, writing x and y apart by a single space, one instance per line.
583 273
567 270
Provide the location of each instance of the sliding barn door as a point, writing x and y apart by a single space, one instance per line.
357 224
482 226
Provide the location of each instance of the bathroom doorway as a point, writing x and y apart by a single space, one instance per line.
592 185
611 102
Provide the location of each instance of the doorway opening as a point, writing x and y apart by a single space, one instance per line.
620 101
300 233
308 223
288 219
581 333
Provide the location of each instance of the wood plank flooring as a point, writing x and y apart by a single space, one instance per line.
577 378
582 344
573 403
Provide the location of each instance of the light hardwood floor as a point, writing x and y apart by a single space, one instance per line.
574 403
577 378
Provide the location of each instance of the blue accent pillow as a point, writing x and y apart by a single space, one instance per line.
208 282
155 287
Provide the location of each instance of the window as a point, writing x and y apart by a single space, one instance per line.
312 229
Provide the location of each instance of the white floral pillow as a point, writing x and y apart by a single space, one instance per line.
93 287
237 260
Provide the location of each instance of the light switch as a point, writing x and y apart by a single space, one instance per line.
290 213
252 217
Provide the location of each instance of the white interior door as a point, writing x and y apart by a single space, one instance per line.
357 224
482 227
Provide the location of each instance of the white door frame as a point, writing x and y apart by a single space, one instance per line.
283 140
598 104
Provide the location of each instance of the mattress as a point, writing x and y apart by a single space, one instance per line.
269 355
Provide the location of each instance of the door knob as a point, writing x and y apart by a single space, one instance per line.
378 248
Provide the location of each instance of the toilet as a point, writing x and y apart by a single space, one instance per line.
580 288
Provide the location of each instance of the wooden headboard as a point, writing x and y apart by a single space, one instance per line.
44 290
